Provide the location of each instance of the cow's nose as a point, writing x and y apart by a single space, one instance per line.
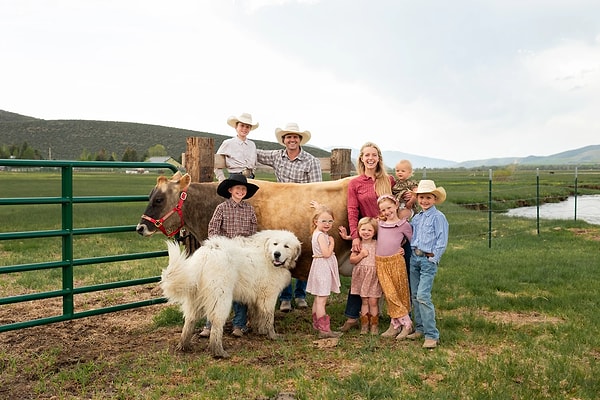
277 254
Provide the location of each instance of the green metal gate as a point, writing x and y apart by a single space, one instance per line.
67 233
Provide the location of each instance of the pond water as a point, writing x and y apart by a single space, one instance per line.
588 210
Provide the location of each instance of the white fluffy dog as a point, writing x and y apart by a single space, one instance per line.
251 270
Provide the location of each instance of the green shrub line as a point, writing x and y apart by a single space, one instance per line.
517 320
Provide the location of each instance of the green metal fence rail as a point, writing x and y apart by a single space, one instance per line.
67 232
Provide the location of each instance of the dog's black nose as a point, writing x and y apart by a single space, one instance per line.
277 254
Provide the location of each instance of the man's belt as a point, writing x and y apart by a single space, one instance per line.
420 253
248 173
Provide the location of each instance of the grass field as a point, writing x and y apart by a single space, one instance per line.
518 320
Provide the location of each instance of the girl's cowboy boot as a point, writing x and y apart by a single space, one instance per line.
391 331
374 324
325 329
364 324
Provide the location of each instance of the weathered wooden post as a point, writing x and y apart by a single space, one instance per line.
199 158
341 163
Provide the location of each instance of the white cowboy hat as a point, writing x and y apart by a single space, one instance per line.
428 186
292 127
243 118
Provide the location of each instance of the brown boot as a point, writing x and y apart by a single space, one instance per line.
391 331
325 330
349 325
364 324
374 324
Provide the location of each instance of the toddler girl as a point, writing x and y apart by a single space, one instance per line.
364 276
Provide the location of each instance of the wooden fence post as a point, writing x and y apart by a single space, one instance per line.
341 163
199 158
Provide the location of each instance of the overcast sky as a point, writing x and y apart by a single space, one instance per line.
457 80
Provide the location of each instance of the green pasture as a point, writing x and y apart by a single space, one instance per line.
518 320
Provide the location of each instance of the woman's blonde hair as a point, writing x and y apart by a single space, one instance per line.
320 209
367 221
382 179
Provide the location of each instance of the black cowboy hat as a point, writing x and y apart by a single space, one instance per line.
233 180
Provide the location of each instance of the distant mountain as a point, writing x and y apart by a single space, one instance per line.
6 116
391 158
68 139
585 155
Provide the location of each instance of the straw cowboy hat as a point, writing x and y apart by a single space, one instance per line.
233 180
243 118
292 127
428 186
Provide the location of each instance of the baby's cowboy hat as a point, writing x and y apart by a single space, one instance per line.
244 118
428 186
292 127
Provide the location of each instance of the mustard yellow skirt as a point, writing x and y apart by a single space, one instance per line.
391 272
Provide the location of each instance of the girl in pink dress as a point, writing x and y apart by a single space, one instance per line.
364 276
324 277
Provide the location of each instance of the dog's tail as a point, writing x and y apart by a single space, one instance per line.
175 282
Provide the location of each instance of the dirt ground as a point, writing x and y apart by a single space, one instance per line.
108 337
105 337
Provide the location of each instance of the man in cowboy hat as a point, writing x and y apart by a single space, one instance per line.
239 151
292 164
430 238
234 217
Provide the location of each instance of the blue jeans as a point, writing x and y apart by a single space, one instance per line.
240 315
299 292
354 302
422 273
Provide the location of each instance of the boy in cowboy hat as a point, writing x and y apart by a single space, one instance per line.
239 151
292 164
429 241
234 217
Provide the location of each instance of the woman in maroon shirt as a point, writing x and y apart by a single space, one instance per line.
372 181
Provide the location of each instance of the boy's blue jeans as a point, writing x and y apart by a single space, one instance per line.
299 292
422 273
240 315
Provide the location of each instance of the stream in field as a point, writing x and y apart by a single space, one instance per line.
588 209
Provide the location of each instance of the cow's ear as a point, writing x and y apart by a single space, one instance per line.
176 176
184 182
160 180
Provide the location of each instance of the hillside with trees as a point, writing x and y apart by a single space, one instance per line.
101 140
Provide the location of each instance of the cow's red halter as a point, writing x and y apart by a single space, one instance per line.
159 223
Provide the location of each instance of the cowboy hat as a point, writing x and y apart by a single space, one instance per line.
244 118
233 180
292 127
428 186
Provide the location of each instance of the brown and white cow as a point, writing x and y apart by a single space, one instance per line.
277 205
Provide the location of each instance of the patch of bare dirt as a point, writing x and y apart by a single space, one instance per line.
519 318
588 233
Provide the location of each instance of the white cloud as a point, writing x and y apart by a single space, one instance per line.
517 80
